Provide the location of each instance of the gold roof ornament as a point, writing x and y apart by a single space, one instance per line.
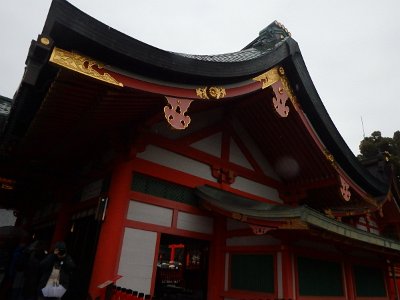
81 64
211 93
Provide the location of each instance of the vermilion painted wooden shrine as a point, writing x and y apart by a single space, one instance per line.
192 176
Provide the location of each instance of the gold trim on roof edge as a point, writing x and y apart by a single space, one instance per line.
268 78
81 64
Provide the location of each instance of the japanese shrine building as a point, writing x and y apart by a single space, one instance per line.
191 176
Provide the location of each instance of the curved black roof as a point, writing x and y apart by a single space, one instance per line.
71 29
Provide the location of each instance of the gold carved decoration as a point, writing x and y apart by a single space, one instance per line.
45 41
288 88
329 156
212 92
175 112
81 64
268 78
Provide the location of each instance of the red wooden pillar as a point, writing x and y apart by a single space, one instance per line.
216 271
287 273
393 288
111 234
349 281
63 219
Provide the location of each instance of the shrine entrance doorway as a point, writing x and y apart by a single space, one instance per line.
182 268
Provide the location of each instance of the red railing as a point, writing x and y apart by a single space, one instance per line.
120 293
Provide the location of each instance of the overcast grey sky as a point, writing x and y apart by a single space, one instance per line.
351 48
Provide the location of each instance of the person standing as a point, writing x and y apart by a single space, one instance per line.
35 253
56 268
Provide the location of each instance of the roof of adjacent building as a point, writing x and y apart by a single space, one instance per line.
278 217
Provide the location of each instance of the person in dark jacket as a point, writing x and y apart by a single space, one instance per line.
35 253
58 262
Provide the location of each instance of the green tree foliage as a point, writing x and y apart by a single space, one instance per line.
376 144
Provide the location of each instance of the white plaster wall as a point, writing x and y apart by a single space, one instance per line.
374 231
7 218
256 188
195 223
137 258
176 161
361 227
254 150
148 213
236 156
210 145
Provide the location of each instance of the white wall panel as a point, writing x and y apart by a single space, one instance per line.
362 227
148 213
195 223
7 217
254 150
374 231
175 161
210 145
236 156
256 188
137 258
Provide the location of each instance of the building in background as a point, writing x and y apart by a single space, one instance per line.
192 176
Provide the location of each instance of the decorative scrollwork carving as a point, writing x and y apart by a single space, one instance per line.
175 112
223 175
260 230
280 99
81 64
345 189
